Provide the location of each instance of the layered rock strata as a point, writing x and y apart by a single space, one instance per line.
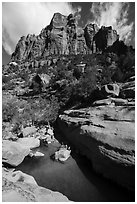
105 134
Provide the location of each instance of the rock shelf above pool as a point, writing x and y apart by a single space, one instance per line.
106 135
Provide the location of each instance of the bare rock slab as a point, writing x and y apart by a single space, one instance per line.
106 135
20 187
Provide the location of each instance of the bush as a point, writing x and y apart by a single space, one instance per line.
77 87
77 73
9 110
87 83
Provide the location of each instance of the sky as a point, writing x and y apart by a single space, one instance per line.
22 18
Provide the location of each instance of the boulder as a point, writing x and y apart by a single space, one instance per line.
62 154
29 131
106 135
20 187
38 154
50 132
110 89
13 153
29 142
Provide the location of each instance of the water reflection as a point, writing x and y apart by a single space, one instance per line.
75 178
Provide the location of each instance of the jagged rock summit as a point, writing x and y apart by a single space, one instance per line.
63 36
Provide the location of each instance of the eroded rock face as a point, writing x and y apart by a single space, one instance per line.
106 135
63 36
89 33
20 187
13 153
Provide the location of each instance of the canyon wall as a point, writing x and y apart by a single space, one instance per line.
64 37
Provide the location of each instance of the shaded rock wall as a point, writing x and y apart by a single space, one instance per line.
105 37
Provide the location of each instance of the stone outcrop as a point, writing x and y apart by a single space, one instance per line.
89 33
105 37
28 131
105 133
13 153
64 37
20 187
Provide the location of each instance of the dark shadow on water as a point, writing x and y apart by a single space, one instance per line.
109 189
75 178
112 191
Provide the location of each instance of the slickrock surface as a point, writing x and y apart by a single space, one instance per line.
20 187
106 135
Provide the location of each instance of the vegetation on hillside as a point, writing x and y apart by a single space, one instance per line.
70 85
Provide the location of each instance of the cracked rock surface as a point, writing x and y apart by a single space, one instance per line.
106 135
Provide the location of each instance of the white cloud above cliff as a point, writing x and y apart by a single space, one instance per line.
22 18
113 14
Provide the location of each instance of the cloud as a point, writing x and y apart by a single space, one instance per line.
22 18
113 14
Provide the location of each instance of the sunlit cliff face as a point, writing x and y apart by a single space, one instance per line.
20 19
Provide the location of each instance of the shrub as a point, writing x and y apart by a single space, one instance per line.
9 110
87 83
44 110
77 73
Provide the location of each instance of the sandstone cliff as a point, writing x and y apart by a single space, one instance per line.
63 36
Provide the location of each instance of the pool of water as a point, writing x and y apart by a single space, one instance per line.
75 178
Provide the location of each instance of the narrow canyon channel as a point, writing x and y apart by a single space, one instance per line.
74 178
